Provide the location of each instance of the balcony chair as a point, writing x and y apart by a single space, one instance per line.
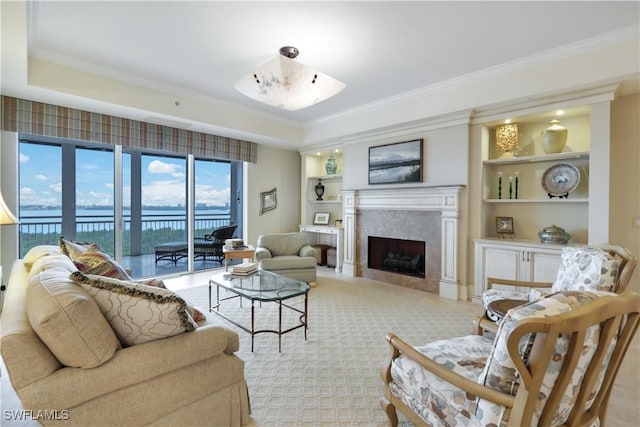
553 362
211 244
601 267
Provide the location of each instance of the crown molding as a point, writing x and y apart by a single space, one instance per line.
556 54
540 103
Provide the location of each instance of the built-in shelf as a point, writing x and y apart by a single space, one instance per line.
522 175
326 177
556 200
330 202
541 158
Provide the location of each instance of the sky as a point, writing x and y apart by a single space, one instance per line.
163 178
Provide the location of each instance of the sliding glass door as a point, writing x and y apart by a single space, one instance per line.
154 213
67 188
93 219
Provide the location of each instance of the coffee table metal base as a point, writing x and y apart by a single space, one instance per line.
252 330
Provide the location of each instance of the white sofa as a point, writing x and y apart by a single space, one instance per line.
191 378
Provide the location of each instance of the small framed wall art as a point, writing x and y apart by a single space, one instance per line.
268 201
321 218
504 226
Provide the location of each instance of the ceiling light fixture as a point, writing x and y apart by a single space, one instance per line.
287 84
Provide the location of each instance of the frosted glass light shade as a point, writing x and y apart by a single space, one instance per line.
6 217
288 84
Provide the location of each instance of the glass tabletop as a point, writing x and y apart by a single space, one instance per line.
261 285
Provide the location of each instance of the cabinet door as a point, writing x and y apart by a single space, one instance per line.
543 265
496 261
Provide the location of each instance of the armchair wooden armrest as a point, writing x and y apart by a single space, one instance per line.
398 346
520 283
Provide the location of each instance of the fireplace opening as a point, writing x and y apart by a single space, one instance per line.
397 255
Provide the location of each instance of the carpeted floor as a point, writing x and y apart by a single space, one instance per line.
333 378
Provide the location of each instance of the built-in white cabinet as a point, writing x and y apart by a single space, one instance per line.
314 172
515 260
515 186
327 235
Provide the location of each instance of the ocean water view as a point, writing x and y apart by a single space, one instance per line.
148 210
158 225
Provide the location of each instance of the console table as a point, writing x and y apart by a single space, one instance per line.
334 233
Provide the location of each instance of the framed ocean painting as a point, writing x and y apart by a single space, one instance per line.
396 163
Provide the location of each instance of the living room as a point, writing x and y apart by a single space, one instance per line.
455 119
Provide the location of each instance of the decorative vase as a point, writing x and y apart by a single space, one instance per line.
555 137
331 166
554 234
319 189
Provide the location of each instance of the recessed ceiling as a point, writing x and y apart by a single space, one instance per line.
379 49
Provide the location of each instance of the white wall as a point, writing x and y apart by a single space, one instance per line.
279 169
625 177
445 158
8 180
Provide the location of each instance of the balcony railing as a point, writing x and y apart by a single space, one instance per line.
156 229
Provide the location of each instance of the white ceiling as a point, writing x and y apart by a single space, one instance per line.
379 49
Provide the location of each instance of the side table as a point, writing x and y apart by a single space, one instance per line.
499 309
501 306
247 252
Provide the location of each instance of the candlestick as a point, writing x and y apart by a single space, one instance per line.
517 184
510 186
499 185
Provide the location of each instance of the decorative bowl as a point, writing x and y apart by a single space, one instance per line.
554 234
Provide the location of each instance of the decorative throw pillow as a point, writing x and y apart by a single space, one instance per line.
74 249
68 320
196 314
37 252
137 313
156 283
500 372
50 262
95 262
588 269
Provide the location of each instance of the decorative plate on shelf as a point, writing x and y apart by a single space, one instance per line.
560 180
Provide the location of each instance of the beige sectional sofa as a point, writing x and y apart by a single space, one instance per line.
69 367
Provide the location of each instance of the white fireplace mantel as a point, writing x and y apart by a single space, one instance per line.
444 199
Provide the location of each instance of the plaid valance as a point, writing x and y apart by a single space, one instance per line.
37 118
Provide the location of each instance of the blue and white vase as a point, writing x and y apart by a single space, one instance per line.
332 165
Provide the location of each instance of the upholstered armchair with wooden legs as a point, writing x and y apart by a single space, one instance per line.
600 267
552 363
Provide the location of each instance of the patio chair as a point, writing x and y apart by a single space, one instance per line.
211 244
600 267
553 362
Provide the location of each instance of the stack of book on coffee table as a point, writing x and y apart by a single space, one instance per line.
232 244
244 269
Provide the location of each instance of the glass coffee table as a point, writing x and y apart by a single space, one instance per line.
261 286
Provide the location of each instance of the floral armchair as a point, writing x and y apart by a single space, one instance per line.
601 267
553 362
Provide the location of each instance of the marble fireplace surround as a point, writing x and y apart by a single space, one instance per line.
430 214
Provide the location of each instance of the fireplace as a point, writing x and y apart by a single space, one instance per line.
405 228
397 255
429 215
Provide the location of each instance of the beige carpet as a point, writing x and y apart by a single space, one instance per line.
333 378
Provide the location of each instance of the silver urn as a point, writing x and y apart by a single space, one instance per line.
554 234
